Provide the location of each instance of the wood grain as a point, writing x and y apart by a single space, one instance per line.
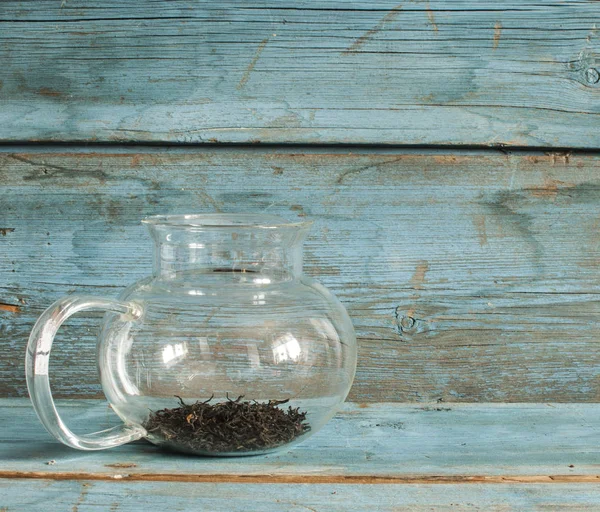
300 479
369 457
91 496
438 72
469 276
463 444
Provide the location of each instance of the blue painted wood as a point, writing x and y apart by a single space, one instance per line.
142 496
385 443
469 276
384 457
435 72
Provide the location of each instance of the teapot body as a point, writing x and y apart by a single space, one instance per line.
289 342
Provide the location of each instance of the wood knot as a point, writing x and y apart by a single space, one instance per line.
592 76
406 324
586 68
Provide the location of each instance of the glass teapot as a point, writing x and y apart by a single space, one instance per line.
226 349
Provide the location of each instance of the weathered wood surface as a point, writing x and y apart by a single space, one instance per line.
364 443
78 496
380 457
416 72
469 277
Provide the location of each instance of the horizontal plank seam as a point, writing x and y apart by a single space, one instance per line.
304 479
74 146
267 9
84 20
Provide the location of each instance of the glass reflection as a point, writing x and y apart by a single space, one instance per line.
172 354
286 348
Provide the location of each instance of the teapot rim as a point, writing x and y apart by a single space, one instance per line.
224 221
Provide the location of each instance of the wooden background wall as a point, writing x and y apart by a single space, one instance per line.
446 150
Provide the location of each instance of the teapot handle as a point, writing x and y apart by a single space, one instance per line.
38 384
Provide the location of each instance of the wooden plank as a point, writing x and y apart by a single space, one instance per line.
469 277
379 444
142 496
435 72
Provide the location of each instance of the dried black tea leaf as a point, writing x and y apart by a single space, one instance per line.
227 427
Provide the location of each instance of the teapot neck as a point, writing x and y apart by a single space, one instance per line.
239 263
227 248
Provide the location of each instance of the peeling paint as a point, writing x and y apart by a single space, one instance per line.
390 16
419 275
45 91
135 160
252 64
479 223
11 308
550 188
431 17
497 35
558 157
82 496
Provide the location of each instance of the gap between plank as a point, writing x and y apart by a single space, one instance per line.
305 479
108 147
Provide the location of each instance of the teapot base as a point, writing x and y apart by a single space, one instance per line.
183 449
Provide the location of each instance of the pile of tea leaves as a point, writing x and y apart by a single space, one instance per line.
227 427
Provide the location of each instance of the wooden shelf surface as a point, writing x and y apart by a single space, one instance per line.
369 457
